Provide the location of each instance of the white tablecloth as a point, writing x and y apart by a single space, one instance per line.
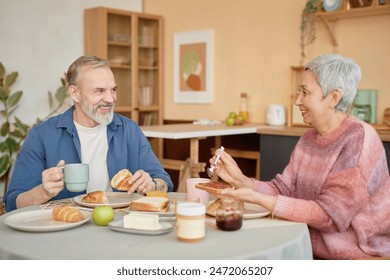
261 238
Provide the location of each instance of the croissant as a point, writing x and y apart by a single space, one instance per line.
97 197
67 213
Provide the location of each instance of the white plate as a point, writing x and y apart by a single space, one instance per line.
251 211
41 221
169 213
114 199
117 225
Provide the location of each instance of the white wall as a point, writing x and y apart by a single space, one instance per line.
40 39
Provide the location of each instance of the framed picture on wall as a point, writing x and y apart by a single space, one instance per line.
193 66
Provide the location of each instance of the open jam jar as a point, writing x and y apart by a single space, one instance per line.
229 214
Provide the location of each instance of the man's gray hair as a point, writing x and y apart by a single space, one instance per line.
72 75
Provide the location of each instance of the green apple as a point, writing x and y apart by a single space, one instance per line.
232 115
102 215
239 120
230 121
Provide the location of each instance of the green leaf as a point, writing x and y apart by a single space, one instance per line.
51 101
13 146
61 94
10 112
2 71
3 93
21 125
4 113
5 164
63 80
17 133
11 79
14 98
4 147
4 129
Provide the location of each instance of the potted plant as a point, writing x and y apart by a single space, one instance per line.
12 130
308 27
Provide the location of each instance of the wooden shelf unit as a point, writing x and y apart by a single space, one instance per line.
330 19
133 44
347 12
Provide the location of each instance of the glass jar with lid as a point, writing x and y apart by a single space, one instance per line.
190 221
229 214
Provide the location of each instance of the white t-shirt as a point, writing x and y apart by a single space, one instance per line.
94 148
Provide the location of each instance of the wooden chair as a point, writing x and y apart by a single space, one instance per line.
187 169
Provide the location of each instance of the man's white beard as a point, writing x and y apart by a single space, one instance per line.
92 113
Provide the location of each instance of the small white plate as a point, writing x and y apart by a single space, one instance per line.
114 199
41 221
251 211
117 225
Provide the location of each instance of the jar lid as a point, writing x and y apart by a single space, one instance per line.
190 209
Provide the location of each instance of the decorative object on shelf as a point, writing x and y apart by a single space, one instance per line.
359 3
331 5
364 105
308 27
386 116
193 66
145 97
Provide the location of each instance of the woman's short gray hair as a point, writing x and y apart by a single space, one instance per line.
334 71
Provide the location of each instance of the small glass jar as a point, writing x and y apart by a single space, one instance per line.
158 189
229 214
190 221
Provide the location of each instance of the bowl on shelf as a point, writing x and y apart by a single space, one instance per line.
360 3
147 61
119 38
120 60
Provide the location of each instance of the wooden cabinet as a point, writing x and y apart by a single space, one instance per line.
132 43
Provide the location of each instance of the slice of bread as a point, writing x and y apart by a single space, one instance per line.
150 204
213 187
121 180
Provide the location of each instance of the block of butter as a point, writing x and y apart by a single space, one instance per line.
141 221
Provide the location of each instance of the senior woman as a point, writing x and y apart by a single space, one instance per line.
337 180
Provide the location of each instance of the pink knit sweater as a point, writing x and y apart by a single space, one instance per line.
339 185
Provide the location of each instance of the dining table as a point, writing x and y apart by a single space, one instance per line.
260 237
197 132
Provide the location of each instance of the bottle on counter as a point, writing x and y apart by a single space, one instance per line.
243 112
229 214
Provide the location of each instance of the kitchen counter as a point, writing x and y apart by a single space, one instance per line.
278 142
384 134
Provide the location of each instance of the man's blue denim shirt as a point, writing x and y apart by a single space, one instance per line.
56 138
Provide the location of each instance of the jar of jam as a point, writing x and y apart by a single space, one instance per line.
229 214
